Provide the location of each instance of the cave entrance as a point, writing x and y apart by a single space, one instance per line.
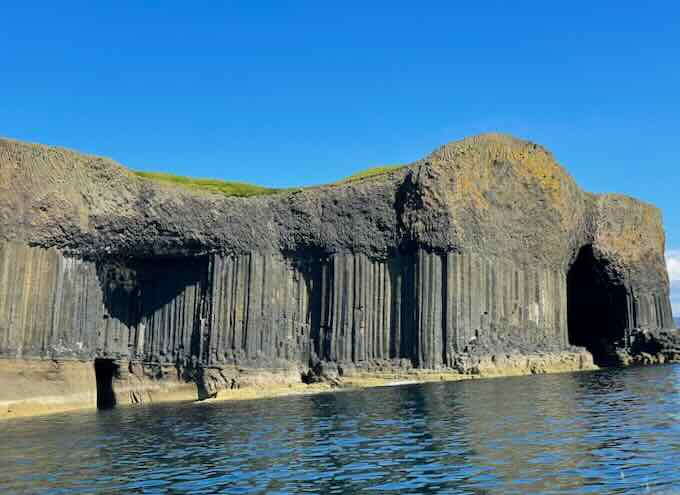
596 307
105 370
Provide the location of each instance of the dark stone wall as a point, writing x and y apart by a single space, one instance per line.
472 250
51 305
267 310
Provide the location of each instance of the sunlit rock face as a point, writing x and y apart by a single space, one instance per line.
486 248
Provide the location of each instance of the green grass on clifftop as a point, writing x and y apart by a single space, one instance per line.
370 172
228 188
244 190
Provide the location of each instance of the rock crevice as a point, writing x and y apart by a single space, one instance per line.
485 248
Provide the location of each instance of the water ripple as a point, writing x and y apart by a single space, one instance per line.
601 432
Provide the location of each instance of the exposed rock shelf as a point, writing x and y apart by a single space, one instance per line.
486 248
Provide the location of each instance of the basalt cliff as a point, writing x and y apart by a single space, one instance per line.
483 256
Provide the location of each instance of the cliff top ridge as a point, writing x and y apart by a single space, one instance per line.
489 193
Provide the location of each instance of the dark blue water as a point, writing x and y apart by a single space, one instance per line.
615 431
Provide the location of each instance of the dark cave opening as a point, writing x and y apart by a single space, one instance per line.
105 370
596 307
135 289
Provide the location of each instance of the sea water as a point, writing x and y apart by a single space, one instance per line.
610 431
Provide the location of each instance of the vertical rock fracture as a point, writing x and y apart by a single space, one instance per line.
484 250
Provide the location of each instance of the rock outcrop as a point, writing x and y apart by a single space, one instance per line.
483 250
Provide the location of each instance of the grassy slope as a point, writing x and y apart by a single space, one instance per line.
242 189
227 188
369 172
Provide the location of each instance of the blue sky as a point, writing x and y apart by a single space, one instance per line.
292 93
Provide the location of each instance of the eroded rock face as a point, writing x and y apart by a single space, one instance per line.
643 346
486 247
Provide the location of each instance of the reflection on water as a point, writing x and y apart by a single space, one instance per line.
613 431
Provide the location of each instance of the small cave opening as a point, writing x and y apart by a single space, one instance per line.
105 371
596 307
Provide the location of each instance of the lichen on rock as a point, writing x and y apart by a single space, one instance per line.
486 247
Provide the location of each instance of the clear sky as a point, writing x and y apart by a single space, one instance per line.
294 93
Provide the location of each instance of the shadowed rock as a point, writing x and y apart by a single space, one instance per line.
486 248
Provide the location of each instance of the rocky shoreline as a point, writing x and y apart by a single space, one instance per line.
38 387
484 258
